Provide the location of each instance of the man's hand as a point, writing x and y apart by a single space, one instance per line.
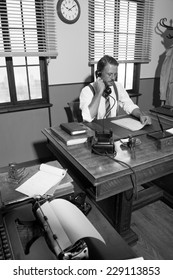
146 120
99 86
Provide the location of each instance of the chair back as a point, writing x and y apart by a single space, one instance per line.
76 113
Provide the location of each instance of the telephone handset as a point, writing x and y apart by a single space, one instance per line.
107 90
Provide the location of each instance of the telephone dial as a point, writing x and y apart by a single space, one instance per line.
107 90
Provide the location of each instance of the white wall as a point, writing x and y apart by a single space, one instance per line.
71 64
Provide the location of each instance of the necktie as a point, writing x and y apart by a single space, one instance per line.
108 106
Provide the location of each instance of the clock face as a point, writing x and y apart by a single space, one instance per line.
68 10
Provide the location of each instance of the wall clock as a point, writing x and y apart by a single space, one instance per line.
68 10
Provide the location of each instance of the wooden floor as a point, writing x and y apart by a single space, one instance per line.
154 227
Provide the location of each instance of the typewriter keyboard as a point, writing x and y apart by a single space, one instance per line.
5 250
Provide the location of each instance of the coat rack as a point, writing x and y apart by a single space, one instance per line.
169 27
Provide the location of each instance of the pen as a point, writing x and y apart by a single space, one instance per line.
160 125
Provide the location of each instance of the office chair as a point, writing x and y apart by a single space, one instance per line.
76 115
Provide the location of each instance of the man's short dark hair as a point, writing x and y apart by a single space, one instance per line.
106 59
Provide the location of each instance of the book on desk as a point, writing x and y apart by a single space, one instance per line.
68 139
74 128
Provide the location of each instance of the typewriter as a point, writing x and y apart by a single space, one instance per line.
28 230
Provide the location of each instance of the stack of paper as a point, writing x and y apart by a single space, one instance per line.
46 181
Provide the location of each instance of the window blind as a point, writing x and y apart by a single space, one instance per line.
27 28
122 29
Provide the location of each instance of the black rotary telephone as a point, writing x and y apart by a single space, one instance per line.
107 90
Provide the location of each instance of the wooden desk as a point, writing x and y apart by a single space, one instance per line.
116 247
108 182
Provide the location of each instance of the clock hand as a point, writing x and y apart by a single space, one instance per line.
71 7
66 7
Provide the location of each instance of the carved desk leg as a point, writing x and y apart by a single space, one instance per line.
123 202
118 210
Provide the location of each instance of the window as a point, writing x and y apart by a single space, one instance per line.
27 39
122 29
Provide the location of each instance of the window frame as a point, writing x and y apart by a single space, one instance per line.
44 47
15 105
134 92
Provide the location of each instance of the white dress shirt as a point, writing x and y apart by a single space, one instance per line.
124 101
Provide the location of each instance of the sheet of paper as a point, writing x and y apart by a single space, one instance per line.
68 223
66 212
46 178
129 123
52 169
56 228
170 130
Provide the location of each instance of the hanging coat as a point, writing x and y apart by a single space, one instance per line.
166 78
